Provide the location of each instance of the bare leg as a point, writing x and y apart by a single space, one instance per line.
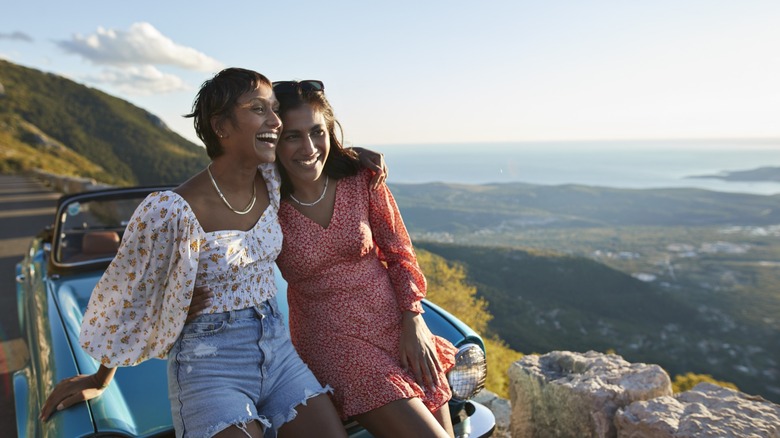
405 417
252 430
318 418
443 417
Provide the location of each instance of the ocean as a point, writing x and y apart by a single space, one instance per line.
620 164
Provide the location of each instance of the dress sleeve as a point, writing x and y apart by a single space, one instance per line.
139 306
395 247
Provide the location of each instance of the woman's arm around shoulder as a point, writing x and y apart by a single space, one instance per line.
375 162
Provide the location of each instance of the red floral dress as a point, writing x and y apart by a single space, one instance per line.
346 304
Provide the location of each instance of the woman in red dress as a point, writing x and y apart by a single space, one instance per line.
354 282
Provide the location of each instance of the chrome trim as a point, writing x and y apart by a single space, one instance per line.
482 422
479 368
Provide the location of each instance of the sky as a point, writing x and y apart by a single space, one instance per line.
415 72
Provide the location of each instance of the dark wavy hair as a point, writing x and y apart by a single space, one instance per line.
218 97
341 162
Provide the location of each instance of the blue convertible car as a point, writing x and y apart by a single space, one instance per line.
54 282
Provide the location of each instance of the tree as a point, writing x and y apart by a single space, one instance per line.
447 287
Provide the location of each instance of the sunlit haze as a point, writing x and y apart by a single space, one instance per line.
436 72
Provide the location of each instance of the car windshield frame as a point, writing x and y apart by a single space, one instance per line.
89 226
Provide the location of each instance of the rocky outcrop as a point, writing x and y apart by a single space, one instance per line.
566 394
707 410
502 411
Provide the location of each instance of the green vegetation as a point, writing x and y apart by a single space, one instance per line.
687 381
447 287
53 123
48 155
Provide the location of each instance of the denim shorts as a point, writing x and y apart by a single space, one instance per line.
235 367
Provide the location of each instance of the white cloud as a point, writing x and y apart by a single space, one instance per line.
18 36
143 80
142 44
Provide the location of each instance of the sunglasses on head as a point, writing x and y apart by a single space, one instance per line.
293 86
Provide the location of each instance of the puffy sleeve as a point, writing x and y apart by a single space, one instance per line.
395 247
139 306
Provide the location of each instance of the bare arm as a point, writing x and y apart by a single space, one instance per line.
375 162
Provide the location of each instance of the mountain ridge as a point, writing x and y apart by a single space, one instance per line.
121 143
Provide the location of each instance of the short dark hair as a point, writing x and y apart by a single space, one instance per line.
341 162
218 97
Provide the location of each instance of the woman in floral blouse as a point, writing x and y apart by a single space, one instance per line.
231 371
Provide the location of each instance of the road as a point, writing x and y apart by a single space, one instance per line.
26 206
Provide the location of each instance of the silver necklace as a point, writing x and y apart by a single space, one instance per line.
310 204
219 192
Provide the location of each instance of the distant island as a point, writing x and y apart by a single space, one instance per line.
762 174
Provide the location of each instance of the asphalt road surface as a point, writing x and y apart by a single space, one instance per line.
26 207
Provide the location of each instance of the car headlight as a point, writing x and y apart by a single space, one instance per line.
468 375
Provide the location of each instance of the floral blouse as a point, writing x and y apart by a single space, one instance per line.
138 308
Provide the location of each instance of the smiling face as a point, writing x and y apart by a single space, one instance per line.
304 145
252 130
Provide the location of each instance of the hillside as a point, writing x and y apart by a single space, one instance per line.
543 301
441 207
51 122
684 278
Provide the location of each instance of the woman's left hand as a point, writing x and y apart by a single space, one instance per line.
418 351
202 298
375 162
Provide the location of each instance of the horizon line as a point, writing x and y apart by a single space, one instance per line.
767 140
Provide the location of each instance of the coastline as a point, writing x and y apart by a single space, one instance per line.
634 165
